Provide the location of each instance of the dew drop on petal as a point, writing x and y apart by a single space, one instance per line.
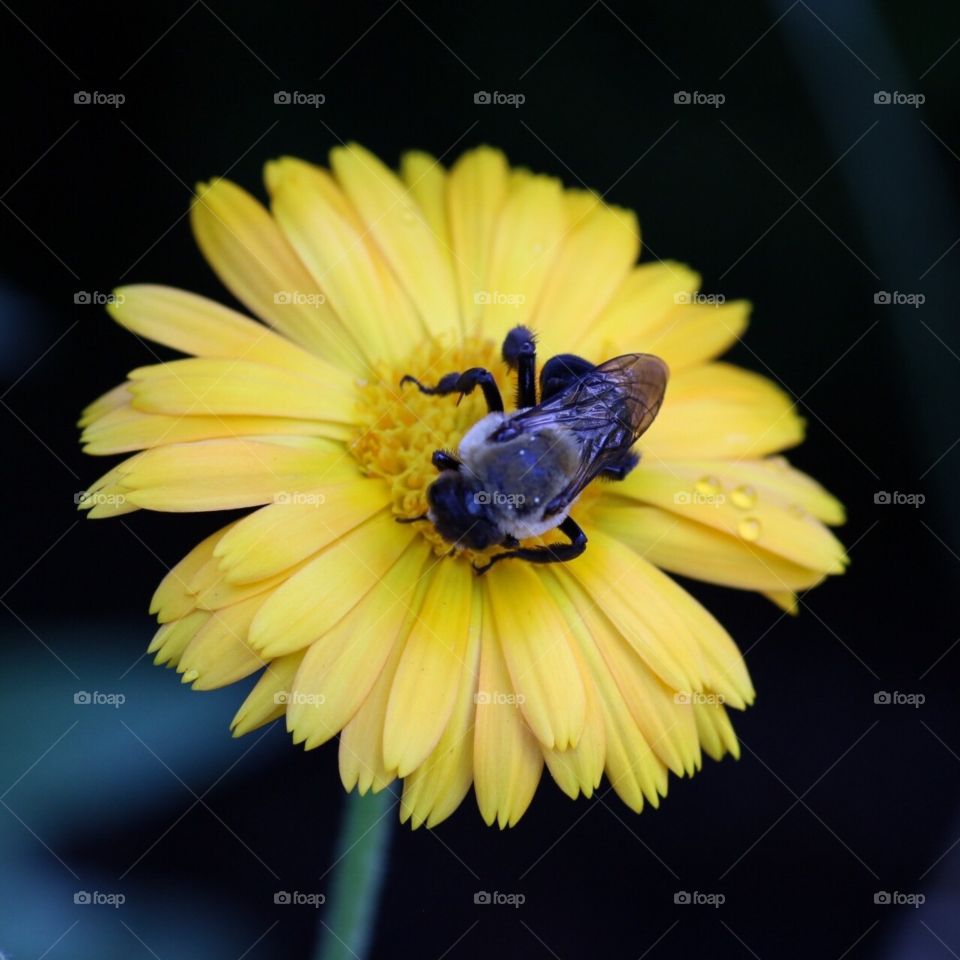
749 528
708 486
744 497
537 248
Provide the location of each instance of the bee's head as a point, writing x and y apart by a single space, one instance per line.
460 511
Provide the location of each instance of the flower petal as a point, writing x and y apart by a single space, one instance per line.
268 700
402 233
239 388
426 180
226 474
721 411
529 234
328 587
250 254
507 757
201 327
424 689
436 788
282 534
331 244
340 668
476 189
536 644
760 516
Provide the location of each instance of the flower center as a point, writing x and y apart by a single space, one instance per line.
402 427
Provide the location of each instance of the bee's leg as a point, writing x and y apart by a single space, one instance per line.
560 372
619 469
444 461
464 383
554 553
520 353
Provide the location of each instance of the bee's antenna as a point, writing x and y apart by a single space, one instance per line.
423 516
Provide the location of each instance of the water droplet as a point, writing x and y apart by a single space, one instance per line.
749 529
537 248
797 511
408 216
744 497
708 486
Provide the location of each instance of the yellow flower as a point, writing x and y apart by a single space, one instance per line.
372 630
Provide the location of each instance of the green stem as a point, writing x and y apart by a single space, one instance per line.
350 914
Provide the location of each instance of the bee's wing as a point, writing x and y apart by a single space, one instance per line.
606 410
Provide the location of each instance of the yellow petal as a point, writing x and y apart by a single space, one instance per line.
760 516
172 638
104 404
716 731
593 260
476 190
507 757
125 429
720 411
667 727
240 388
625 586
529 234
340 260
691 549
328 587
256 263
195 325
436 788
402 233
340 668
282 534
640 306
537 646
173 599
219 653
425 687
426 180
225 474
696 332
268 700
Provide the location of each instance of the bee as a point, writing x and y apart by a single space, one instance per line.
517 475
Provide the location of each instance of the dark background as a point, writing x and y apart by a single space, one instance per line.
799 192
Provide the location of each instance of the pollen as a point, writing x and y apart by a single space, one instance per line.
401 427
